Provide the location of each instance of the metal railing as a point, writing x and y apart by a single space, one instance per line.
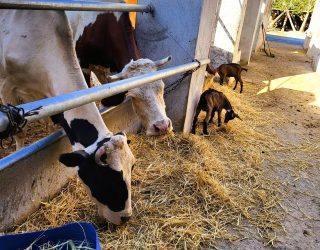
31 149
75 5
57 104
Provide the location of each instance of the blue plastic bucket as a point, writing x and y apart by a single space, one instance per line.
76 232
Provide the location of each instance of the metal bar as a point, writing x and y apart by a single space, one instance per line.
27 151
31 149
74 5
58 104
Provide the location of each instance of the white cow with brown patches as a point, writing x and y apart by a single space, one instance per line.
154 118
108 40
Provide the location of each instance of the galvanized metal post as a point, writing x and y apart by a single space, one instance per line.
76 5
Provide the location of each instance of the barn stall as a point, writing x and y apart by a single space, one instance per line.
188 191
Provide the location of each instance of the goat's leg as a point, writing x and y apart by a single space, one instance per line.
212 116
205 122
241 85
237 80
222 79
195 119
219 118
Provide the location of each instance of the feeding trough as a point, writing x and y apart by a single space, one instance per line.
77 235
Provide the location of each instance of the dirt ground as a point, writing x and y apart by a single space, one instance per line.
274 151
286 85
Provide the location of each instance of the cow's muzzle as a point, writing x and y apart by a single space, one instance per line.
163 126
125 219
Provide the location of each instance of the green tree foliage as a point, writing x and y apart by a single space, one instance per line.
296 6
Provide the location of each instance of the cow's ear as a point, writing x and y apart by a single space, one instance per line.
94 81
73 159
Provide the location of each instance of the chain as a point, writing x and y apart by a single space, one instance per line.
265 41
176 83
17 121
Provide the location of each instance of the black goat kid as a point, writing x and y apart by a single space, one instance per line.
211 101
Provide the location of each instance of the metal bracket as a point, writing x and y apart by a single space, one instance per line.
15 122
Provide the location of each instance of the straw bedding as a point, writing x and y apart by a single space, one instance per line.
189 190
69 245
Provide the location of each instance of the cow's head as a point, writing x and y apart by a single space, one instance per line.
148 101
105 169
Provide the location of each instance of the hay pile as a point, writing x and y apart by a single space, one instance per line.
188 190
70 244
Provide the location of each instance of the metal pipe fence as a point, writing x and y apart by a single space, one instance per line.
57 104
31 149
74 5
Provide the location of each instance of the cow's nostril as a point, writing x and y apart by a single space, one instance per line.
125 219
161 126
157 129
169 123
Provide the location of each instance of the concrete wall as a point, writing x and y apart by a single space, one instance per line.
250 29
225 46
312 42
174 30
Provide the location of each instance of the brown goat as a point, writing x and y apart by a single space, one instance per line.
211 101
228 70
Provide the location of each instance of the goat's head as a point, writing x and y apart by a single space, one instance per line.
230 115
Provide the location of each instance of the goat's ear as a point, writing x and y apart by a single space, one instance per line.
73 159
237 116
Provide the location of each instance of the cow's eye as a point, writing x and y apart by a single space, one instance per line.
132 167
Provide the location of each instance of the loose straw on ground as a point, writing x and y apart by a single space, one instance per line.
189 190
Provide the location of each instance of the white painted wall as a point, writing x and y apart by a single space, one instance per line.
250 29
313 37
224 48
